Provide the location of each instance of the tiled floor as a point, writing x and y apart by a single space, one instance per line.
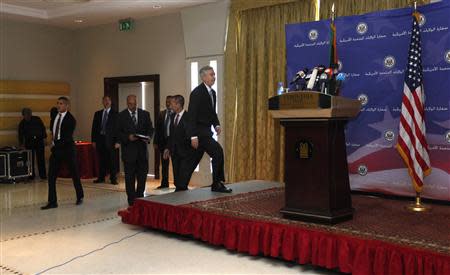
90 238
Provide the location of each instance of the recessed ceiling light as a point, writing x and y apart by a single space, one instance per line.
78 20
157 6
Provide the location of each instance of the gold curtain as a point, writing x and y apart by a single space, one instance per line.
354 7
255 60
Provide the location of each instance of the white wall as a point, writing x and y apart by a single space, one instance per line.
36 52
204 29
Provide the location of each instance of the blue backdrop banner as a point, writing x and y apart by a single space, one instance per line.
372 51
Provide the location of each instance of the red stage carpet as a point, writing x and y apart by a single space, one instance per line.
382 238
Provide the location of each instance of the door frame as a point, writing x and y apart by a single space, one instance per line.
111 89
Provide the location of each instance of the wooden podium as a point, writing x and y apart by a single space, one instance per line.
316 172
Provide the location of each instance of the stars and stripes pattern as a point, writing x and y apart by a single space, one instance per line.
412 144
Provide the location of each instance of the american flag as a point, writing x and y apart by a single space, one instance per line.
412 144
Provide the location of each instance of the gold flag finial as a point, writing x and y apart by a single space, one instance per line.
332 12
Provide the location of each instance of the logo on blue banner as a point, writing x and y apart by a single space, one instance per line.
361 28
313 35
363 98
362 170
447 56
389 135
389 61
422 19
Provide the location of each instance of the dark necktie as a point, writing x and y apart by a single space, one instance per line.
104 120
166 124
133 117
58 124
176 120
212 95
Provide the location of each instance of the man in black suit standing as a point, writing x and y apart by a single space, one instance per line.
32 136
63 150
134 132
103 136
179 146
202 110
162 132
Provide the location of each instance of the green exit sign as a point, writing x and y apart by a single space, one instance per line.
126 24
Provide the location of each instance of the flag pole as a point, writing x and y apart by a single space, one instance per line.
418 206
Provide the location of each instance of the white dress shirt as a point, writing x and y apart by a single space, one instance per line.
60 116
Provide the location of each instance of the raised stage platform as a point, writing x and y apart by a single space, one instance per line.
382 238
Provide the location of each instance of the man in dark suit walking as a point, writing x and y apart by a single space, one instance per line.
162 132
202 110
103 136
134 132
179 146
63 150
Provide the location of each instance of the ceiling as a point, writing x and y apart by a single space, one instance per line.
69 13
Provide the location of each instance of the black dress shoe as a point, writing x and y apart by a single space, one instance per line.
49 206
99 181
79 201
162 186
220 187
179 189
114 182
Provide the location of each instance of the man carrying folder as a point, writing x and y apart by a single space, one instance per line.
134 132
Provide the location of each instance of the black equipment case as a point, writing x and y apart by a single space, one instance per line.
15 164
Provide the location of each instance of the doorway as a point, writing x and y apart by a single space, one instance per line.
146 89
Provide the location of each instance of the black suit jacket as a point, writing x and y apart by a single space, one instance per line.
133 150
202 112
179 140
160 139
66 130
110 128
32 133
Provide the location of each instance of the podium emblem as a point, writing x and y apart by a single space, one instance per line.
304 149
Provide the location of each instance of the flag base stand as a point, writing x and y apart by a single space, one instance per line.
418 206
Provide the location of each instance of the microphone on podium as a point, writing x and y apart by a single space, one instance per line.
299 75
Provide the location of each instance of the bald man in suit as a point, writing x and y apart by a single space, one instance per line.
133 124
